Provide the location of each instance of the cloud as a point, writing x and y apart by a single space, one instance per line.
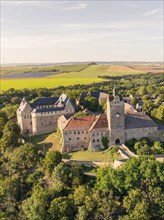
151 12
62 5
79 6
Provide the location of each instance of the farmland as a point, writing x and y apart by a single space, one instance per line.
44 82
69 74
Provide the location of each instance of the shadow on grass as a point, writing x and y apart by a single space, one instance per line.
38 141
44 146
66 156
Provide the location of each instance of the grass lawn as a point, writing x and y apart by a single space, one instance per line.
101 156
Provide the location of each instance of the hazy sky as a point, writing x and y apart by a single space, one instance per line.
61 31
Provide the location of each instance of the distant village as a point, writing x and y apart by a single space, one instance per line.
92 131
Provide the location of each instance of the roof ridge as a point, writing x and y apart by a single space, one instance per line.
94 123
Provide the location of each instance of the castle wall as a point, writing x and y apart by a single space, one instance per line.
75 140
43 123
96 139
139 133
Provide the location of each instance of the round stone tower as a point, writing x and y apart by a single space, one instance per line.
116 120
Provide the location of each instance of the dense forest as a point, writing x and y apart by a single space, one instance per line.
37 185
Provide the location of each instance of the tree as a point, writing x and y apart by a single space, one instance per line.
158 148
16 100
52 159
61 177
10 111
8 141
142 90
142 147
24 158
91 103
61 208
11 126
105 142
147 106
159 113
35 207
133 101
151 89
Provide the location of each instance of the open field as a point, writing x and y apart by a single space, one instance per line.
100 70
9 70
46 82
71 74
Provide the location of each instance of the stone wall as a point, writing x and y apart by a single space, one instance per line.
75 140
96 139
44 123
138 133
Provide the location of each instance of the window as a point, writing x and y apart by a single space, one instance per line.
50 122
93 140
82 132
74 132
97 140
93 135
25 117
69 139
97 134
78 132
41 123
77 138
84 138
70 132
65 132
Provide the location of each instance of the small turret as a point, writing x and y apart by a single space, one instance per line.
115 91
115 94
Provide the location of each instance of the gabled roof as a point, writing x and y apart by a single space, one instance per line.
80 122
138 120
44 101
101 122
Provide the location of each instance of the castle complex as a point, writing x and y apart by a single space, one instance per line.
120 123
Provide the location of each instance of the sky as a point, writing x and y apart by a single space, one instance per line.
66 31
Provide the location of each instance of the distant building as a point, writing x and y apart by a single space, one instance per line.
42 115
120 123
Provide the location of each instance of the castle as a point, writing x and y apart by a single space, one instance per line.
120 123
42 115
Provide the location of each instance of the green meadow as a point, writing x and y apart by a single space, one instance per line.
46 82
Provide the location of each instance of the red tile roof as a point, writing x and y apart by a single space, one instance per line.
80 122
101 122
